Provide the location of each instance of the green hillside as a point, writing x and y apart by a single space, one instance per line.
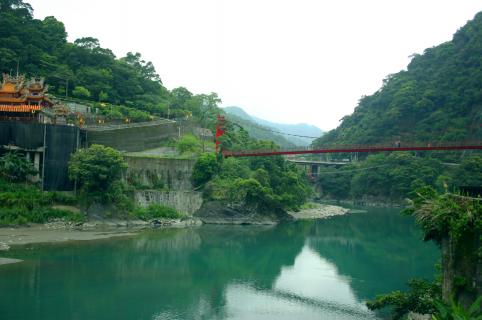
259 132
260 129
87 71
437 99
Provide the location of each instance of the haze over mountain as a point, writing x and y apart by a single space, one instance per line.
267 130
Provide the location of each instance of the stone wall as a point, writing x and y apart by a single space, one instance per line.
157 173
183 201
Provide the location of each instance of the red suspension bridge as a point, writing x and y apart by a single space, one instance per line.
396 146
355 148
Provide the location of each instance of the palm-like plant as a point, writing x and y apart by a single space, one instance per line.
454 311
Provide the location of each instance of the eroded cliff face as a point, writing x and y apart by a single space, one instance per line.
221 212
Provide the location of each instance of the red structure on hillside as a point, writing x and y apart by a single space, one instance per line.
220 130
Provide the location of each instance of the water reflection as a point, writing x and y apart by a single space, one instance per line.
309 270
314 277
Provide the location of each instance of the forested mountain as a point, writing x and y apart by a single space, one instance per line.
85 70
259 127
259 132
437 99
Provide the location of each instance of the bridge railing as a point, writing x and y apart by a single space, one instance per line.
106 127
345 148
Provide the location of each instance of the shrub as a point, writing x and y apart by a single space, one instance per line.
188 143
204 169
154 211
97 170
81 92
15 167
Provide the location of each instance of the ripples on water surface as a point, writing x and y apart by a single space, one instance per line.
304 270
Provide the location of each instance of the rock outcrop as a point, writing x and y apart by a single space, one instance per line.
220 212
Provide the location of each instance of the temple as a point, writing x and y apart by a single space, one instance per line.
22 100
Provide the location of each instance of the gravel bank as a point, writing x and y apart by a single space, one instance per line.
319 211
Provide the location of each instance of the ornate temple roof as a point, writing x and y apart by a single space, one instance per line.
17 91
20 108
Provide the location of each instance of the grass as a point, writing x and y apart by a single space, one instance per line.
23 203
154 211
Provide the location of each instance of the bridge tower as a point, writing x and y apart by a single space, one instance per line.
220 130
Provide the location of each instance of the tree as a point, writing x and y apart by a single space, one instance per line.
103 96
204 169
81 92
188 143
87 43
97 171
454 222
15 167
469 173
145 68
54 33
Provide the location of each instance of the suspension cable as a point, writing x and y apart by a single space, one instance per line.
260 127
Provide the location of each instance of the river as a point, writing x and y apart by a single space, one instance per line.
322 269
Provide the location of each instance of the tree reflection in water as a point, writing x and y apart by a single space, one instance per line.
218 272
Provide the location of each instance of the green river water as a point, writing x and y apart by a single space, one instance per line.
304 270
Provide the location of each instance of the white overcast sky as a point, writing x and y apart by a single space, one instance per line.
288 61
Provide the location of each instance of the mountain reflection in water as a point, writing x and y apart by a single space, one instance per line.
307 270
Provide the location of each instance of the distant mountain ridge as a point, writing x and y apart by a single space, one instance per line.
279 129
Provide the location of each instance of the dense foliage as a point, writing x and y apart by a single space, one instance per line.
22 203
437 99
204 169
446 215
189 144
393 176
269 182
454 311
454 222
97 171
420 298
154 211
85 70
15 167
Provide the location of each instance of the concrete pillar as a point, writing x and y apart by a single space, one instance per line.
36 164
27 155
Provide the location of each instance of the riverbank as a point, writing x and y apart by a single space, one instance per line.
61 231
318 211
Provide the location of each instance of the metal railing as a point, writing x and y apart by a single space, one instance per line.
106 127
339 148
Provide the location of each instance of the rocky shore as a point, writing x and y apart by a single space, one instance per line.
59 230
319 211
220 212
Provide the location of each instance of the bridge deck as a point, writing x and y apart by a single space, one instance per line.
353 149
328 163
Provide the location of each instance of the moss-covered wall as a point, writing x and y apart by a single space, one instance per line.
159 173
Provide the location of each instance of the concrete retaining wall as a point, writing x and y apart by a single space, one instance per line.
156 173
183 201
